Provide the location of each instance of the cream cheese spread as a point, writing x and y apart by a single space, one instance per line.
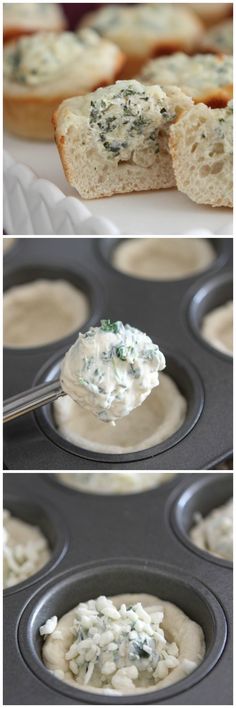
214 533
217 328
111 369
46 56
25 550
159 416
114 482
125 120
124 644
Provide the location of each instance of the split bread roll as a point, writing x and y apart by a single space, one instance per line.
28 17
42 70
115 140
146 30
219 38
207 78
201 145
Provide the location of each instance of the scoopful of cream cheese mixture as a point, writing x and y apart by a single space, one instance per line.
111 369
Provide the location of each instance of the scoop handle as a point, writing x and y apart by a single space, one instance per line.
29 400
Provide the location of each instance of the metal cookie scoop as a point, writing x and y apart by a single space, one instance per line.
29 400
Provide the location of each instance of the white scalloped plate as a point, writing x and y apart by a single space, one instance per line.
39 201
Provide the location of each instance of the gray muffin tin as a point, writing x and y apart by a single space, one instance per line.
169 311
118 544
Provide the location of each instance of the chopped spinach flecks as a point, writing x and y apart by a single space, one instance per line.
108 326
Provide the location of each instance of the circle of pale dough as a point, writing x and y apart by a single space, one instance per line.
8 244
163 258
217 328
178 628
159 416
41 312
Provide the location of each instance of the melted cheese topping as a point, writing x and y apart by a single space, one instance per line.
136 29
162 258
45 57
25 550
125 120
159 416
114 482
111 369
217 328
214 533
30 14
125 644
194 75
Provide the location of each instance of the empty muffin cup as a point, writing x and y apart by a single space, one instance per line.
162 258
165 417
116 577
35 539
40 310
207 493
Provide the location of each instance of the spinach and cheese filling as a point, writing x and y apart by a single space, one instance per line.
193 74
123 644
114 482
111 369
125 120
42 57
214 533
24 10
25 550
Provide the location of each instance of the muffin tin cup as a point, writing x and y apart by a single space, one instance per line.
52 526
116 577
163 310
186 379
211 294
202 496
116 544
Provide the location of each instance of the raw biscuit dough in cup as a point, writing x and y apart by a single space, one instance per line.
217 328
214 532
8 244
114 482
159 416
25 550
126 644
163 258
42 311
